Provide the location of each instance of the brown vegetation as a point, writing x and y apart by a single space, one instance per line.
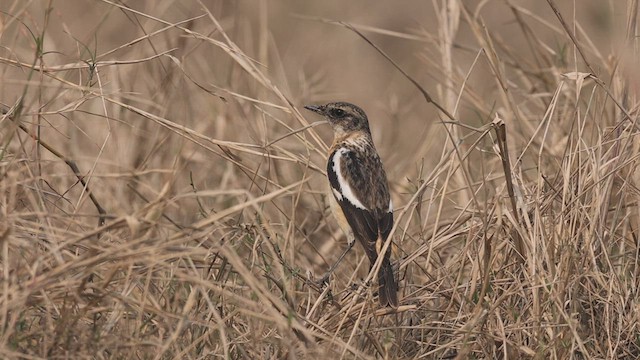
163 196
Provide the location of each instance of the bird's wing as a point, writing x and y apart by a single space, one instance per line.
359 185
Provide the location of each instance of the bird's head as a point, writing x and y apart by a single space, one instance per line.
345 118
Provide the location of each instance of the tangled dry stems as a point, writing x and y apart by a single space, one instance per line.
149 213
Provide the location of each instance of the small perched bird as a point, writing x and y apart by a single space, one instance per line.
360 202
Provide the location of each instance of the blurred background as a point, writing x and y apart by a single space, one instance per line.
186 122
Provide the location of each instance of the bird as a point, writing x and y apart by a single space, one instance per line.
360 199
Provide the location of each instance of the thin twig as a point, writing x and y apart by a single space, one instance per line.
72 164
404 73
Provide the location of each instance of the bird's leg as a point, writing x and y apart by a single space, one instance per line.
325 277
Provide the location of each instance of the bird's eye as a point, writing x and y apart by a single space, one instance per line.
337 113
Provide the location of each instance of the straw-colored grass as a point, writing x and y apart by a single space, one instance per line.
163 196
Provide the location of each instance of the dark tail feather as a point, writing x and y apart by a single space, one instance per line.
388 290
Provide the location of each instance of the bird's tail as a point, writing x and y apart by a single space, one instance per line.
388 287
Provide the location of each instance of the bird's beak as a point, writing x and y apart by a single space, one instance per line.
314 108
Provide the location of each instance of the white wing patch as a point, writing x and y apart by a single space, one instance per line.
390 205
345 189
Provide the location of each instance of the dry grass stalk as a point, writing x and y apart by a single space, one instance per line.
517 225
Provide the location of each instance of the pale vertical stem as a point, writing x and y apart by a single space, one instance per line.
449 19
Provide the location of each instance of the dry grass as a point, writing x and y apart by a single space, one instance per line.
162 196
